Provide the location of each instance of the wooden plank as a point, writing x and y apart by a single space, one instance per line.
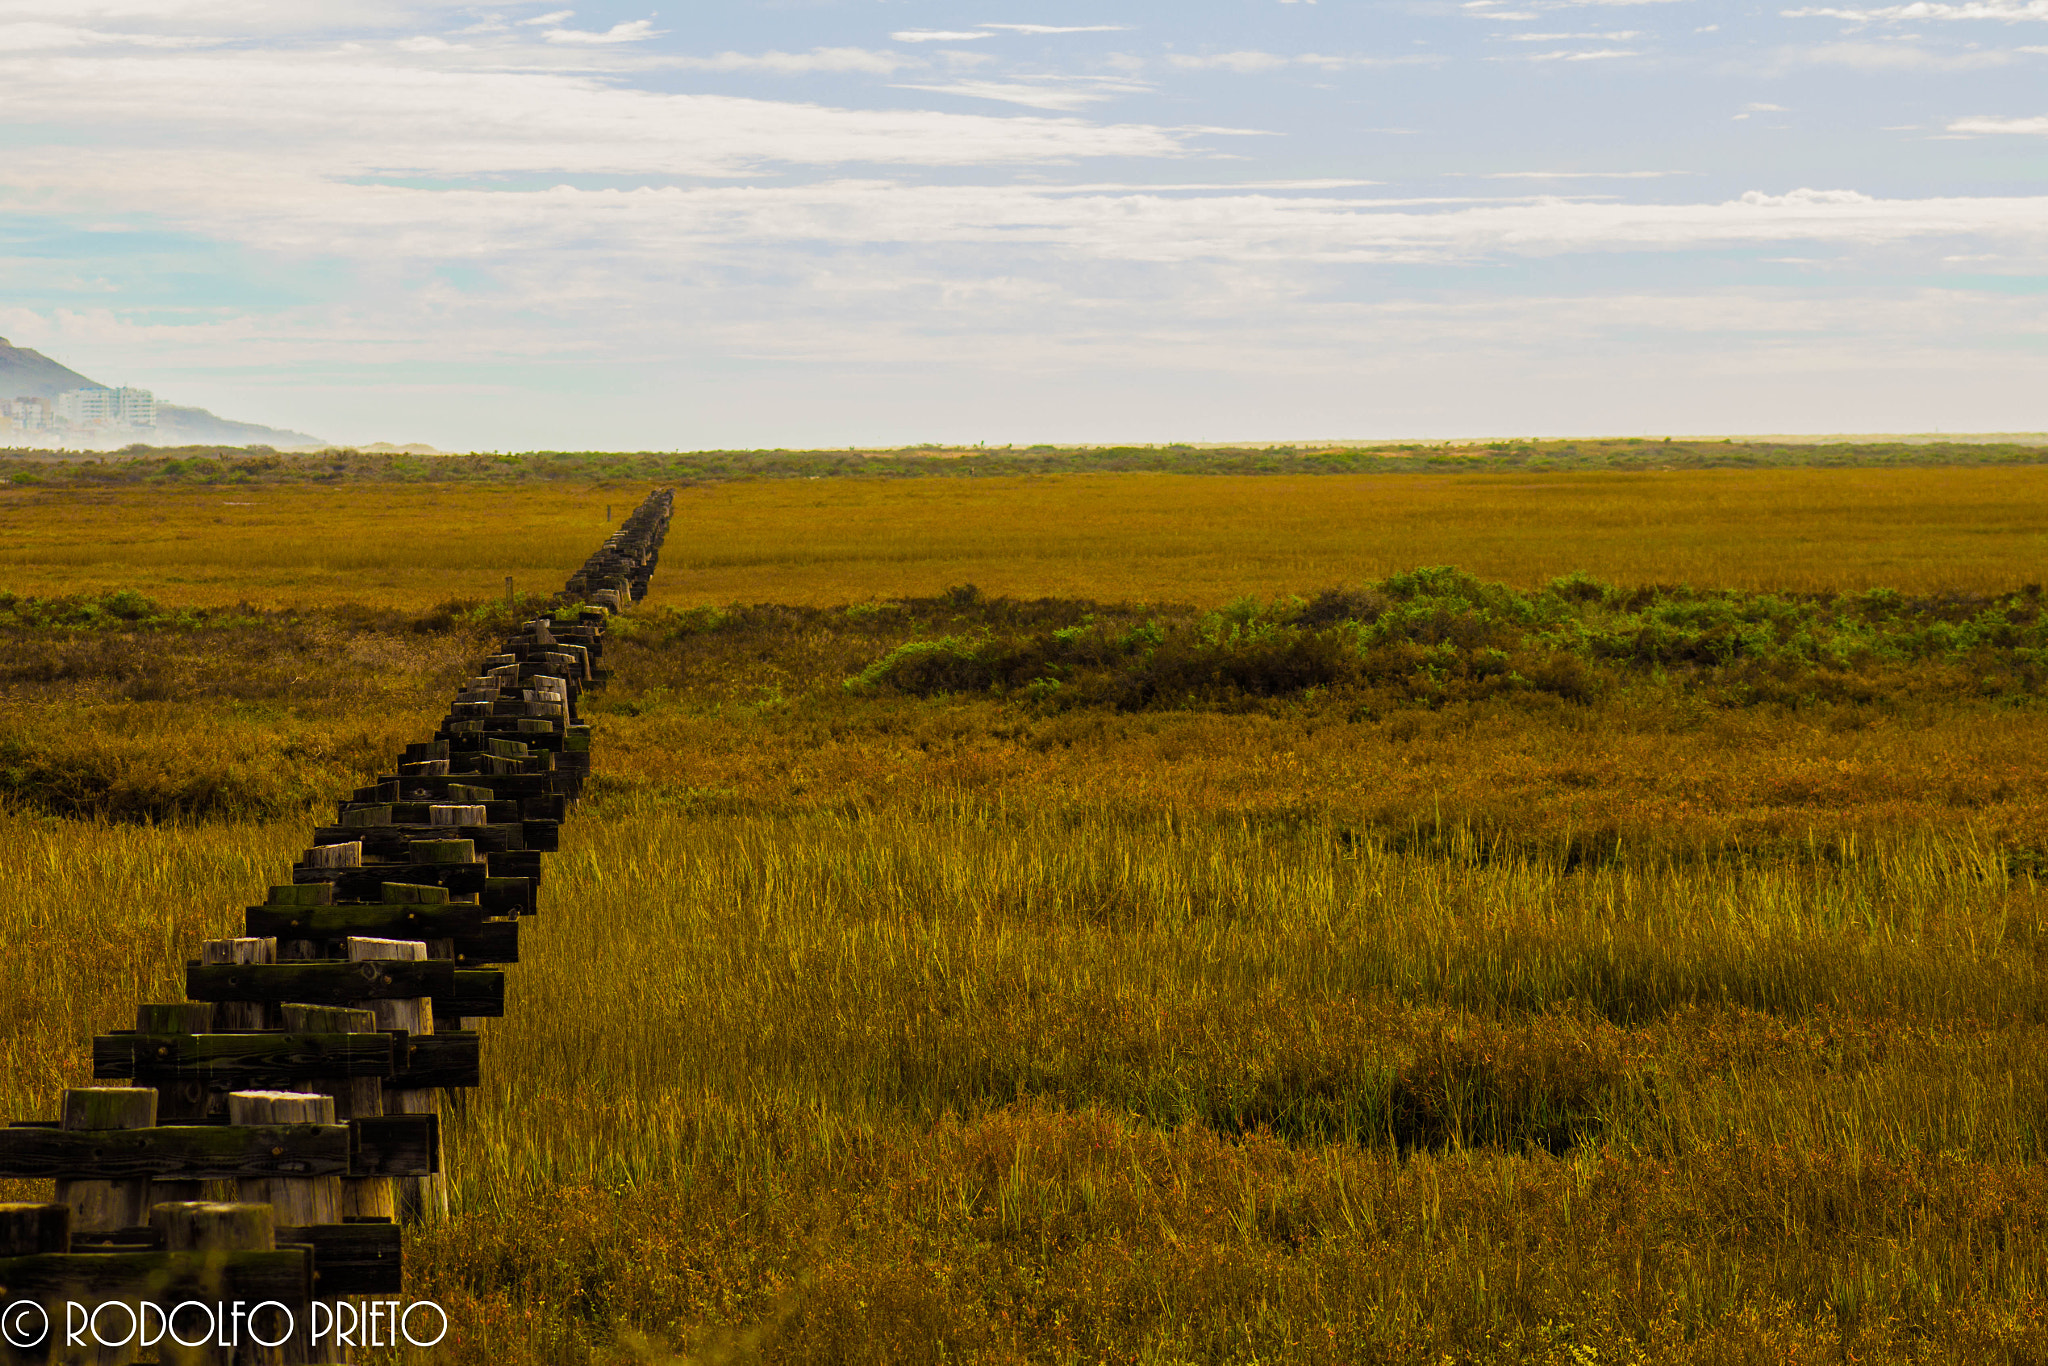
366 883
446 1058
366 1258
163 1278
477 994
496 941
509 786
510 895
243 1061
383 920
515 863
181 1152
319 983
27 1229
549 808
395 1145
473 940
393 841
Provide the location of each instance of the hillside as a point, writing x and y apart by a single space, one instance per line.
31 374
26 373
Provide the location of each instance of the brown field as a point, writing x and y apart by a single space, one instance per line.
1673 1025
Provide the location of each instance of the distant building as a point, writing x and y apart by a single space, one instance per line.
29 413
84 407
135 407
107 407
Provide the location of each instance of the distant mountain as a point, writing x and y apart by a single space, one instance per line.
177 426
31 374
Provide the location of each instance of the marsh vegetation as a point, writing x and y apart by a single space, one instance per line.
1489 964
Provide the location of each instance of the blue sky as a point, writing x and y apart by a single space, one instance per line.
808 222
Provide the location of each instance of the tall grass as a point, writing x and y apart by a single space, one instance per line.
950 1080
96 917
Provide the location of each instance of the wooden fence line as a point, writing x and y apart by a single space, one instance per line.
263 1140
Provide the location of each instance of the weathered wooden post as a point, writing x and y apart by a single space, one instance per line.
233 1016
415 1195
362 1197
184 1102
220 1229
107 1206
297 1200
29 1230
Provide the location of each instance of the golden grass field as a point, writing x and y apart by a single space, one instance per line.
1183 538
873 1028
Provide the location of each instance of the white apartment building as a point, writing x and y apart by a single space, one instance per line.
123 407
135 407
28 414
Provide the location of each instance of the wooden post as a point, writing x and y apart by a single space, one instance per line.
368 1197
296 1199
104 1206
231 1017
209 1225
182 1102
221 1227
28 1230
417 1196
346 855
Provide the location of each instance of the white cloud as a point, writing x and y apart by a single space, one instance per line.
937 35
554 17
41 37
1888 57
1596 55
1988 124
1060 28
213 116
633 31
1583 175
1019 92
1231 61
1253 61
2009 11
798 63
678 224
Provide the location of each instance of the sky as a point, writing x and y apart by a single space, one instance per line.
795 223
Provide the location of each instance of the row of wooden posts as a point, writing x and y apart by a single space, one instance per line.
264 1141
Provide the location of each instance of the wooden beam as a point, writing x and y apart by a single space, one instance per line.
444 1060
478 994
366 1258
176 1152
164 1278
243 1061
321 983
